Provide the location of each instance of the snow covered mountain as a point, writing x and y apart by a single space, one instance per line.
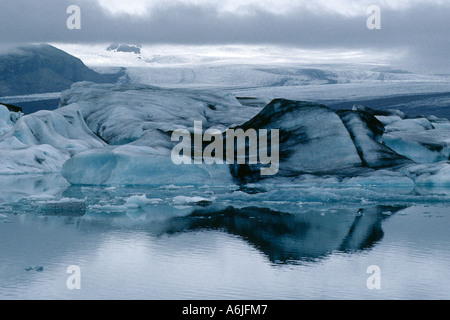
136 49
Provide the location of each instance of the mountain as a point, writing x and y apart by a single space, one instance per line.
43 68
136 49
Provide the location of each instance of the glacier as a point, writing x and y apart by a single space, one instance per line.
105 134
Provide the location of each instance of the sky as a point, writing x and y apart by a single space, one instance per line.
415 32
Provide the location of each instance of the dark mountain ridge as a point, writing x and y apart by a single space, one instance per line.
42 68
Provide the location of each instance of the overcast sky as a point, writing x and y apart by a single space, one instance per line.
419 27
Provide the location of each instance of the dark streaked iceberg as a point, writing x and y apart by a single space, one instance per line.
317 140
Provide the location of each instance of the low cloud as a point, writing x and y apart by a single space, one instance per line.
420 28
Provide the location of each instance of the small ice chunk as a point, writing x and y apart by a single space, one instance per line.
36 268
137 201
178 200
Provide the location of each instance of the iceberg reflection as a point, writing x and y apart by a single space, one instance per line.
285 237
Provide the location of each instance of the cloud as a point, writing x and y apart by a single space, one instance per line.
249 7
420 27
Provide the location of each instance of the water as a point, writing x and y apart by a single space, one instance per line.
35 102
221 243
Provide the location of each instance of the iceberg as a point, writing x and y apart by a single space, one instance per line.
42 142
366 132
5 119
139 113
105 134
429 175
308 132
421 140
138 165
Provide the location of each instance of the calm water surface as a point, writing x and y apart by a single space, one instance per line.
171 244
